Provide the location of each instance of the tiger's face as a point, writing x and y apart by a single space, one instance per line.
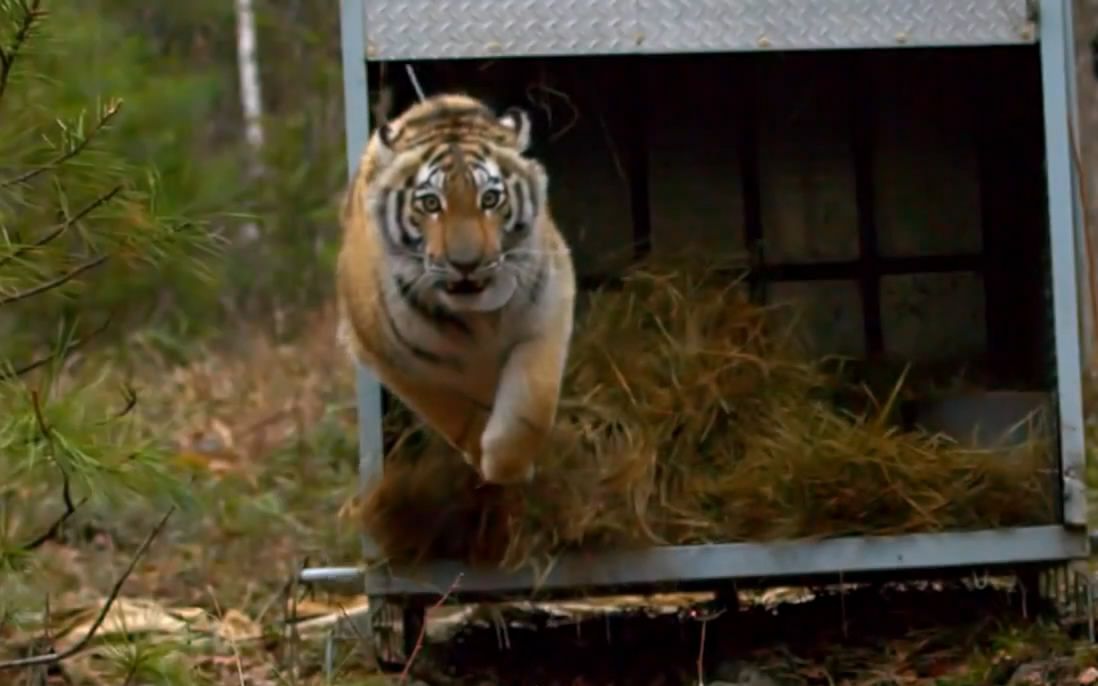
458 202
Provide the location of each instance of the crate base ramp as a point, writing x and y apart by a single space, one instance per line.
580 572
398 596
388 30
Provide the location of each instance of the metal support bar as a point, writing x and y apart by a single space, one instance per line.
586 572
356 97
1055 43
862 126
356 111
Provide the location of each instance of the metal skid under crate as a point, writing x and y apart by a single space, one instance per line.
426 30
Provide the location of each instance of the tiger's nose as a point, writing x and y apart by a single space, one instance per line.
466 267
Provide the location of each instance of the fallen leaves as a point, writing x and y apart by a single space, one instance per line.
127 617
143 619
230 408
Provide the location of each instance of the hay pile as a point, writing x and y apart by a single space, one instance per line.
689 417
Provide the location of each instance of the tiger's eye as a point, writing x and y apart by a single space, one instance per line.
490 199
431 204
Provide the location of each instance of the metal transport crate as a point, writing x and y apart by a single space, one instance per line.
461 31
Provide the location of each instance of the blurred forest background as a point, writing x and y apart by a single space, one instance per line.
168 338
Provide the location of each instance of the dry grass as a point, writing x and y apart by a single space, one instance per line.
690 417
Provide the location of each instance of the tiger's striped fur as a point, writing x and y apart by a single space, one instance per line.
456 287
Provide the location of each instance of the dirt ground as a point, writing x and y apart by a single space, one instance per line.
871 635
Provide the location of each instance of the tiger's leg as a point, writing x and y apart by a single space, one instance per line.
525 408
460 420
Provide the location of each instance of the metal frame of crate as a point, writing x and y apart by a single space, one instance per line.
389 30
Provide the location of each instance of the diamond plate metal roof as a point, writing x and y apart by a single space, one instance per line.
433 29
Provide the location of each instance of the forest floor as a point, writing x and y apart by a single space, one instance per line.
266 434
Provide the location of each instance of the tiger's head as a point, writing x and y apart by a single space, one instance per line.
457 201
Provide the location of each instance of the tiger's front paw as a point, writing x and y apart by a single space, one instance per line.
507 459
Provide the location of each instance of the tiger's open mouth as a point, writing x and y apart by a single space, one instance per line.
465 286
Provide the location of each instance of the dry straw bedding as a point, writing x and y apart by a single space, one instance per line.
690 417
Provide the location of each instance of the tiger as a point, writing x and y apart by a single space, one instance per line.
456 288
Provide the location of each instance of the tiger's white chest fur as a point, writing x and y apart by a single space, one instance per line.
464 352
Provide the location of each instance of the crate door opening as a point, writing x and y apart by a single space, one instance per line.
889 206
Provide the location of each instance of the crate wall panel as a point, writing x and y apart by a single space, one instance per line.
929 317
926 169
827 314
695 185
806 163
588 184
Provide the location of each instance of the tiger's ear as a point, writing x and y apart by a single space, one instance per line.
385 135
516 119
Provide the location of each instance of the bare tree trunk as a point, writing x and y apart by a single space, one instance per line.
251 98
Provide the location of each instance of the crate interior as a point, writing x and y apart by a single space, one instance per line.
898 194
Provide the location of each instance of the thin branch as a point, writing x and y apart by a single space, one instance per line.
229 635
291 621
31 15
61 354
1088 240
700 661
51 533
64 226
423 630
131 401
49 621
131 673
55 657
55 282
108 114
283 592
40 418
55 528
66 491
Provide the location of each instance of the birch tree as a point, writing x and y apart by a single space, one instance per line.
251 97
